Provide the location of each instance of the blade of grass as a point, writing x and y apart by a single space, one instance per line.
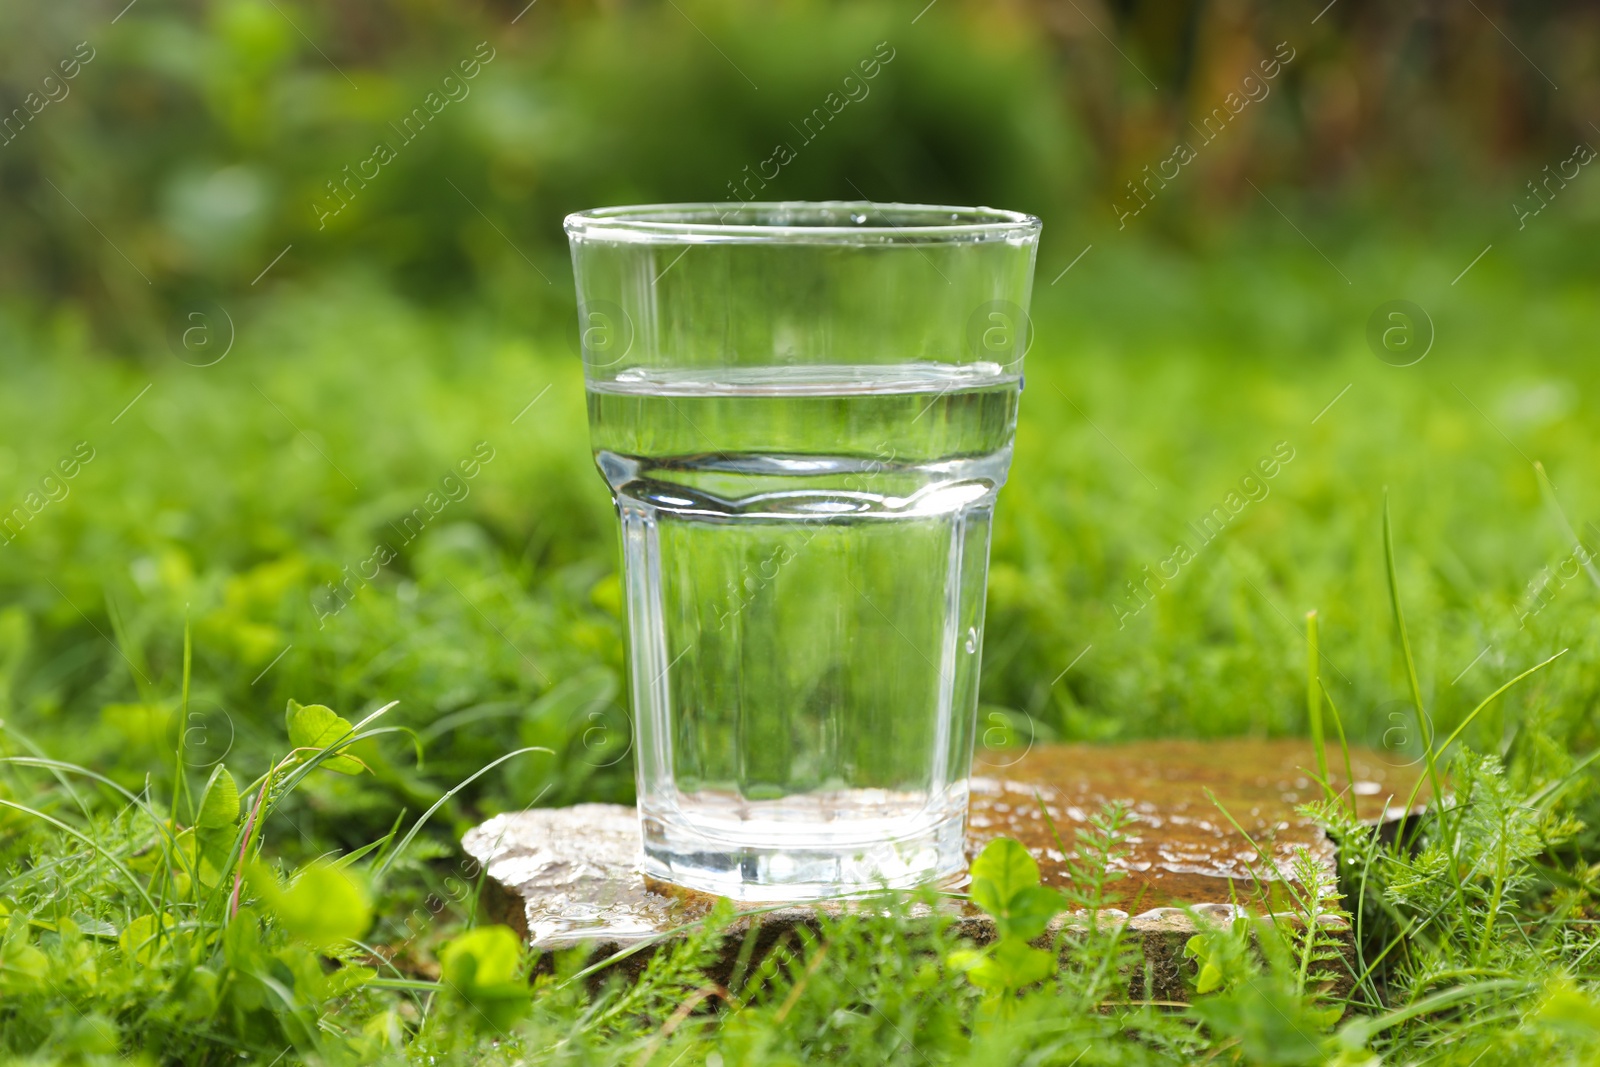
44 761
403 983
129 651
1308 906
162 825
179 778
1549 493
417 826
358 727
1411 675
1314 703
1473 714
1368 1026
1467 720
71 832
1344 749
1555 788
380 844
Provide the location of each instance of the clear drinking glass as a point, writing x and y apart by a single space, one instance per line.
804 412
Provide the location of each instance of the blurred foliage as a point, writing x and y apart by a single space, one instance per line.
201 137
204 138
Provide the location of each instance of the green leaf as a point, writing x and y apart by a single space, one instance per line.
348 978
202 854
323 906
494 952
198 990
481 967
1566 1008
241 942
986 895
216 849
1029 911
317 726
1272 1023
963 960
219 805
86 1038
1010 965
1024 965
985 973
1008 865
1005 883
23 968
138 940
242 949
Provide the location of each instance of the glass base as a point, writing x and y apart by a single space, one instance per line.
767 854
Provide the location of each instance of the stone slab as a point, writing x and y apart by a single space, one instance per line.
571 876
1185 849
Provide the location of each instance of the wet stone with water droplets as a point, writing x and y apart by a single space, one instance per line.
569 876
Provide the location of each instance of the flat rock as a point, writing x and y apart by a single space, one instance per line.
1186 848
569 876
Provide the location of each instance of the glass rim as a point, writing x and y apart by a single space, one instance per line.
779 222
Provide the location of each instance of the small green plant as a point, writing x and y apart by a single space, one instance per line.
483 968
1249 970
1005 884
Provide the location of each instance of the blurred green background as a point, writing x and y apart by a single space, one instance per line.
268 385
198 140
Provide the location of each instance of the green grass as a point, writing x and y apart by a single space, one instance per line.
225 501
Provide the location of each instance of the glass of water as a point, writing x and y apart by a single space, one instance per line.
804 412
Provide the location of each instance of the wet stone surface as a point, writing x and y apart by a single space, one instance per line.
1184 848
569 876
